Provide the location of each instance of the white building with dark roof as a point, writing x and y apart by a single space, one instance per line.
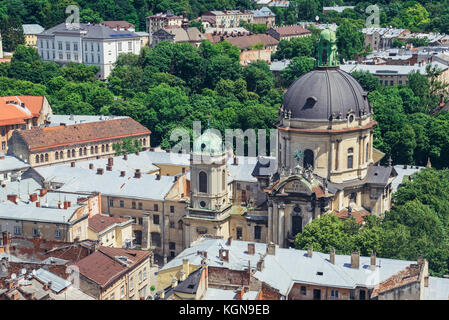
91 44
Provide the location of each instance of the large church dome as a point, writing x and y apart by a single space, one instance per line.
325 92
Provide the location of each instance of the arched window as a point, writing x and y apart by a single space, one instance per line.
37 159
223 180
308 158
42 158
73 153
57 155
61 155
202 177
102 148
85 151
80 152
96 149
353 197
68 153
92 150
46 157
350 158
107 148
144 142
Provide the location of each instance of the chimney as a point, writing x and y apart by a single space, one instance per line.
168 150
240 293
310 251
38 204
414 269
72 164
42 192
108 168
125 157
186 266
332 256
91 166
236 161
12 198
174 282
158 177
183 170
355 259
152 149
137 152
224 254
137 174
122 173
251 248
260 264
271 249
66 205
229 242
33 197
110 162
100 171
373 260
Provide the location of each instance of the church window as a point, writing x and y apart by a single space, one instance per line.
57 155
61 155
42 158
37 159
46 157
202 181
308 158
202 204
239 233
257 232
350 158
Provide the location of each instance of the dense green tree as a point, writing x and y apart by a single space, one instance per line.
296 68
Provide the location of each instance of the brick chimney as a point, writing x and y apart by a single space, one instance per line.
229 242
251 248
100 171
110 162
125 157
122 173
137 174
72 164
91 166
224 254
38 204
271 249
355 259
12 198
415 269
373 260
310 251
260 264
42 192
236 161
158 177
332 256
108 168
137 152
33 197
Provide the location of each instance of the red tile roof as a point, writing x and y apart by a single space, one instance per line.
103 268
100 222
357 214
38 139
246 41
291 30
398 280
12 112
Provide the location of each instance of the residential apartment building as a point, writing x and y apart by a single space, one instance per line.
21 113
91 44
177 35
68 143
288 32
30 32
110 231
162 21
273 273
226 18
264 16
115 274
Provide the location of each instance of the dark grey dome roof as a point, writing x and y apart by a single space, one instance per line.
323 92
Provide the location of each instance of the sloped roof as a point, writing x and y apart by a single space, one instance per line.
103 267
91 31
291 30
122 24
43 138
32 28
246 41
12 111
99 223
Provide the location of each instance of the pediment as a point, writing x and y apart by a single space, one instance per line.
295 185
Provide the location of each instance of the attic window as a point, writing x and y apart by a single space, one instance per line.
319 273
190 286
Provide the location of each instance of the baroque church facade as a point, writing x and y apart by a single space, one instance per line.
325 163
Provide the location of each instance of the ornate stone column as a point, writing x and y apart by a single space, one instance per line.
281 221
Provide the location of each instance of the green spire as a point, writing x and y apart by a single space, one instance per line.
327 49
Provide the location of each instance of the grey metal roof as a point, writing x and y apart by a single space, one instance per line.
438 289
91 31
263 12
401 173
378 175
288 266
57 119
10 211
242 171
391 69
333 90
32 28
11 163
57 283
